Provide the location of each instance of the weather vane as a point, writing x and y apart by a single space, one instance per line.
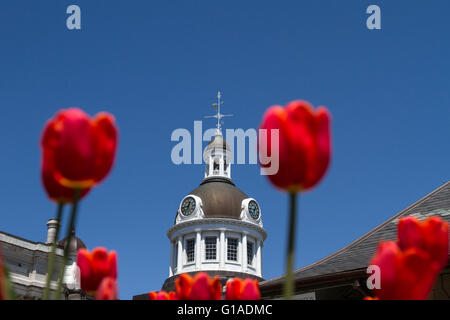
218 115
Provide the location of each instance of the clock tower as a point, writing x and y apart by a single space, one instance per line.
217 228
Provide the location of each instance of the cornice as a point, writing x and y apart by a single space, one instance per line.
206 221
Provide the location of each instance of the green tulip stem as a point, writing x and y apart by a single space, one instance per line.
51 259
288 289
70 227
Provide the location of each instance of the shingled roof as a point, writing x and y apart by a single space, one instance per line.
358 253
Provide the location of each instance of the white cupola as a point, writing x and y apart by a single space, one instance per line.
217 157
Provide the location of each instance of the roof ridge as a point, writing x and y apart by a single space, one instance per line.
21 238
368 234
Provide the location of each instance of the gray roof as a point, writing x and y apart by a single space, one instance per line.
357 254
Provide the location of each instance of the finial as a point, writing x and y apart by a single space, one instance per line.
218 115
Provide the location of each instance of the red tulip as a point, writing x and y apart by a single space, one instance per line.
96 266
404 275
107 289
55 191
83 148
238 289
162 295
430 235
201 287
304 144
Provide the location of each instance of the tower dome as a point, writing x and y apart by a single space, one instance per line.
75 243
217 228
220 198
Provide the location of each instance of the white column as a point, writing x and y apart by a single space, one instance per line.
258 258
198 253
211 165
180 255
244 252
222 253
221 166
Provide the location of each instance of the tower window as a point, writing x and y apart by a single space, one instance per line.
175 255
210 248
190 250
250 253
216 165
232 245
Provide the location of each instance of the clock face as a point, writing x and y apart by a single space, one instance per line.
253 209
188 206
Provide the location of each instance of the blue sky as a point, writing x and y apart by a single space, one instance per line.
157 65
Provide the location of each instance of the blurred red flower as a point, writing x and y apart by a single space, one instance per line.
431 235
55 191
162 295
304 144
96 266
83 148
201 287
409 267
239 289
404 275
107 289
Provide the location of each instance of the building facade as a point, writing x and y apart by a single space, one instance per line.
27 260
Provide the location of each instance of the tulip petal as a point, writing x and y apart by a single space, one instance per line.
55 191
409 234
250 290
183 285
75 156
430 235
84 263
105 133
435 233
200 287
275 118
386 258
234 289
215 288
112 262
162 295
322 155
107 290
172 295
301 132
